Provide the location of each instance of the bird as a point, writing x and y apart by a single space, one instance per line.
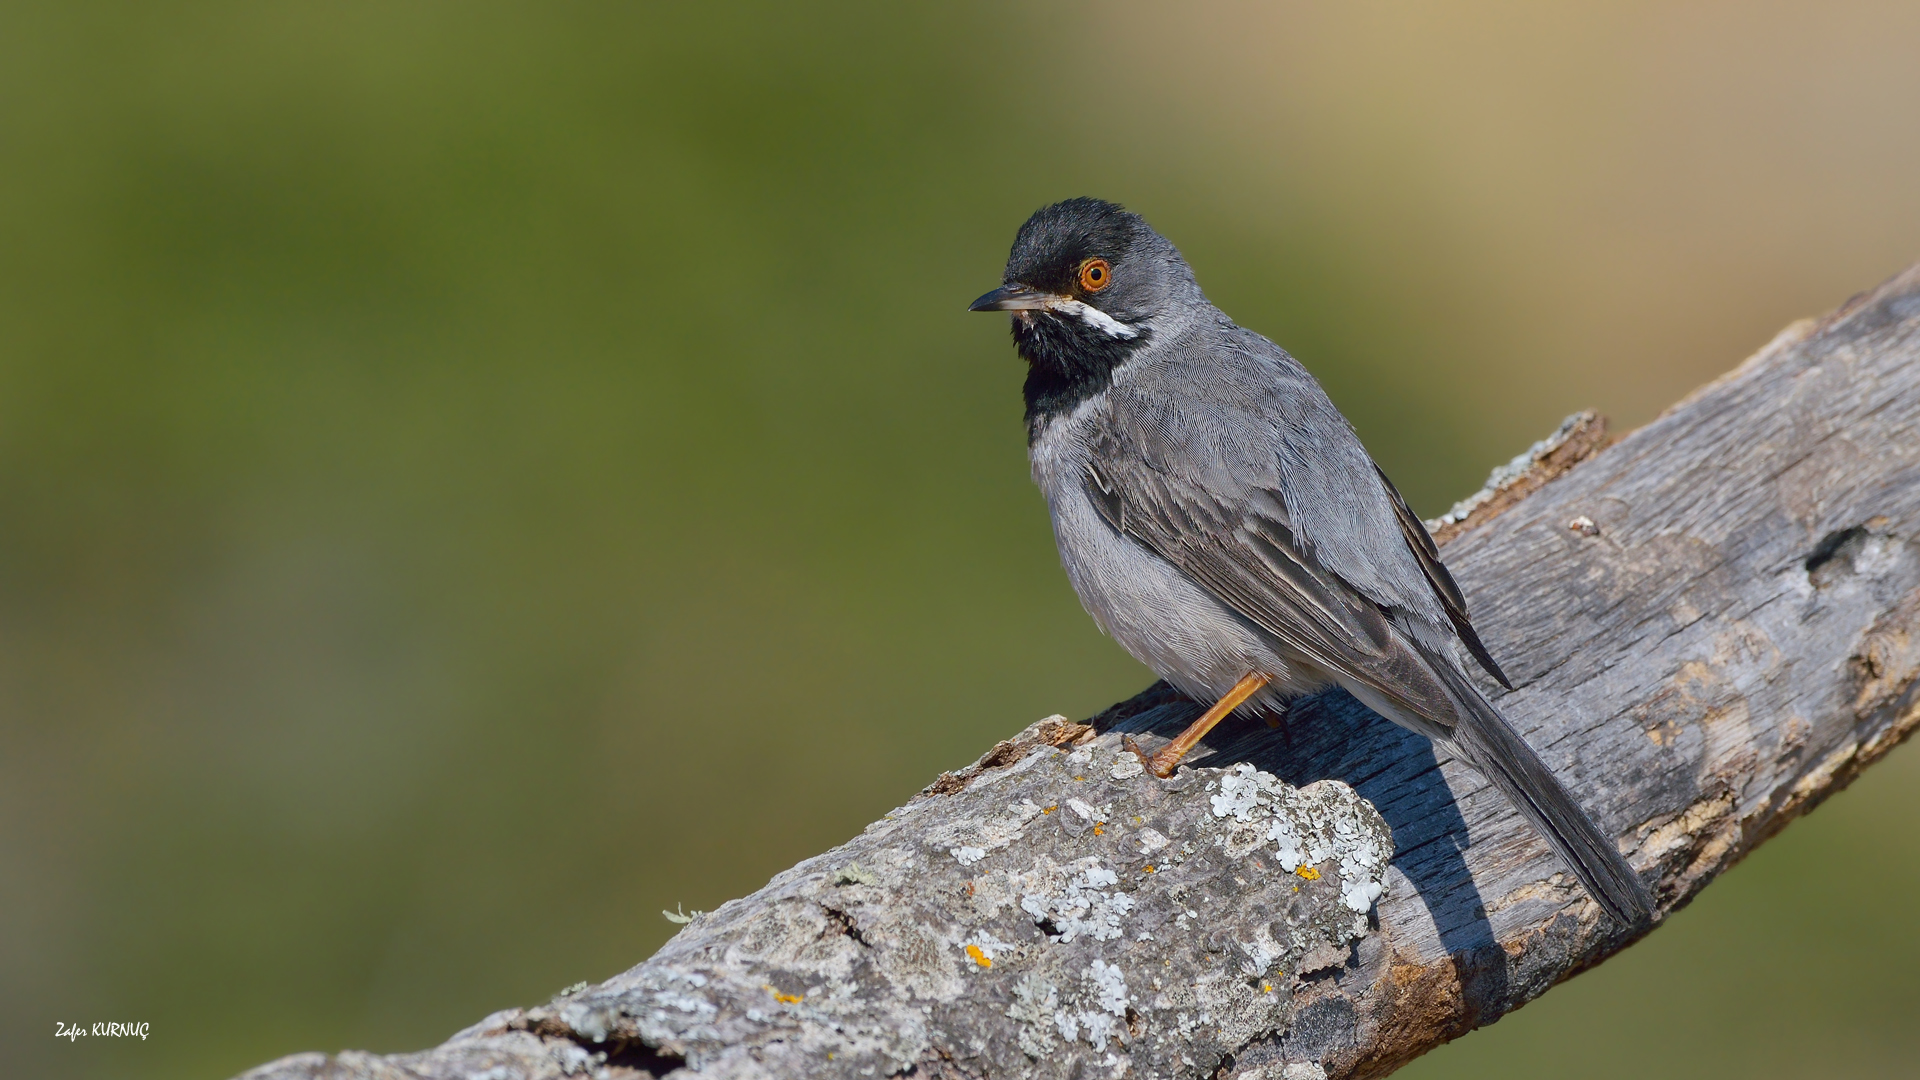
1220 519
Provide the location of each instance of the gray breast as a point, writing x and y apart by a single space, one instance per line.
1158 614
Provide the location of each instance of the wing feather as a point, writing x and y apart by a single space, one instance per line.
1253 563
1421 543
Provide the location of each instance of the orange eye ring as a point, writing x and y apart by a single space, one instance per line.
1095 274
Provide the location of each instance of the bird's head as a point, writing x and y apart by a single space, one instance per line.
1090 262
1087 285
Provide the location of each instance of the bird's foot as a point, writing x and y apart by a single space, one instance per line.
1279 721
1151 761
1163 763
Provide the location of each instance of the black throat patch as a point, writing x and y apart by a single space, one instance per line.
1067 363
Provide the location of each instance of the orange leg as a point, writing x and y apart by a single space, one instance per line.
1162 763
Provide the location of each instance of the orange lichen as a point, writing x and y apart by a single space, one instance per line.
979 957
1098 831
1308 873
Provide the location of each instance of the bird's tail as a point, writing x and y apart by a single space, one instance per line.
1483 737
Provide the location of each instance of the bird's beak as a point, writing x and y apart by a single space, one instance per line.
1014 298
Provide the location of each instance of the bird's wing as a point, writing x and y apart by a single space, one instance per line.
1244 551
1238 470
1420 542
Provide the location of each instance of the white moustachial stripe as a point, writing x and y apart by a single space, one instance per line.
1094 317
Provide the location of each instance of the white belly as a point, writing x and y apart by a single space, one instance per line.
1157 613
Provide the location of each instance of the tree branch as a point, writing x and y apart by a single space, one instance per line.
1713 624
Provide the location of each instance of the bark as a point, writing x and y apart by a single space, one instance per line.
1712 623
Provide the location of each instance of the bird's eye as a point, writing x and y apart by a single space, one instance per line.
1095 274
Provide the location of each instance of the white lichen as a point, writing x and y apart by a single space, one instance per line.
1087 906
1310 827
1089 813
1099 1010
1260 953
1034 1002
989 947
1240 793
1360 895
1288 849
971 839
679 916
855 874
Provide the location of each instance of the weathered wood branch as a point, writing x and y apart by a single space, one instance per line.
1713 624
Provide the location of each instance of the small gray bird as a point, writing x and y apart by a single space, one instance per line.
1220 519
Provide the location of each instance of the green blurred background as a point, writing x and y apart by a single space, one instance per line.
472 476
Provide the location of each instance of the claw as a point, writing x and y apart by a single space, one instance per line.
1151 761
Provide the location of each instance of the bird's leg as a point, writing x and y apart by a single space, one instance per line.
1161 764
1281 720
